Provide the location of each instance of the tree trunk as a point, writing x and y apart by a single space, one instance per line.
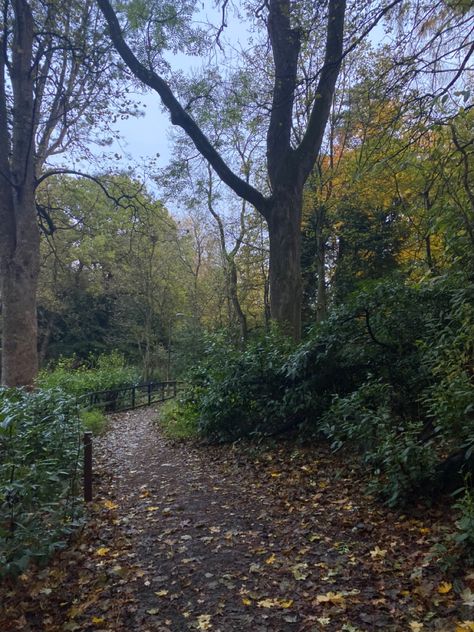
234 297
19 281
284 229
321 298
19 246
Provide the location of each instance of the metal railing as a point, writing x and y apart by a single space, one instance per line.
130 397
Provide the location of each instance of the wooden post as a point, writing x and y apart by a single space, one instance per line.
149 393
87 466
133 397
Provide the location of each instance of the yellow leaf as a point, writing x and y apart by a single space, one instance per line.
204 622
275 474
275 603
102 551
108 504
463 626
444 588
271 559
334 598
415 626
246 601
161 593
424 530
98 620
152 508
378 552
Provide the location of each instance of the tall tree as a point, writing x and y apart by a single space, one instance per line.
55 68
299 104
288 166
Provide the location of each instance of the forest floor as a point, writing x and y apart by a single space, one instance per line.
270 538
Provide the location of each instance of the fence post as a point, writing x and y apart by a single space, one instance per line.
174 388
149 393
133 397
87 466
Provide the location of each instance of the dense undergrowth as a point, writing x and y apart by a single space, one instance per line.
388 375
105 372
40 447
41 456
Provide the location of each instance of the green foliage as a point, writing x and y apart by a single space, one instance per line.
107 372
389 374
449 356
236 393
463 537
94 420
39 475
399 460
179 419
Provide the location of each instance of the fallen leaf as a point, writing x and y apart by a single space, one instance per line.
108 504
271 559
330 597
299 571
161 593
444 588
275 603
324 621
98 620
467 597
415 626
102 551
204 622
378 552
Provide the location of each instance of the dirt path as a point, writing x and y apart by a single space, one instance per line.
278 539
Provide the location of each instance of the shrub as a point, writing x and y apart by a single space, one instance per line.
39 474
179 419
463 537
239 393
94 420
107 372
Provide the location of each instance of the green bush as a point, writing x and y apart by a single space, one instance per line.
39 475
389 374
237 392
463 537
94 420
449 357
107 372
179 419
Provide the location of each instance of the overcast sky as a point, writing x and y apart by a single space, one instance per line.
146 136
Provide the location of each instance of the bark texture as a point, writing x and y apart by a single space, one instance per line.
19 246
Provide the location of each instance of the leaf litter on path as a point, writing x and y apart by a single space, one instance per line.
234 538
